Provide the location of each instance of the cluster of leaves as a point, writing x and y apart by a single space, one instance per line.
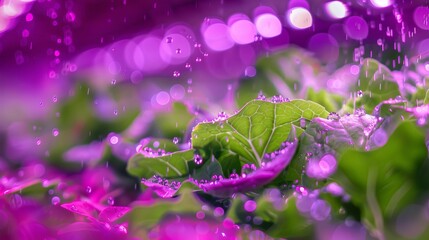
278 167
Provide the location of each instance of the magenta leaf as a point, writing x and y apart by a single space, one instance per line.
111 214
258 178
82 208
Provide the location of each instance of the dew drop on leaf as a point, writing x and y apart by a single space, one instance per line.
111 201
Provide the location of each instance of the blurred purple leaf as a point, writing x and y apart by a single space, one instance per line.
82 208
85 153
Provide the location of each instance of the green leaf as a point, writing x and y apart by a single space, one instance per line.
426 100
330 101
206 172
174 122
288 222
172 165
384 181
376 83
283 73
259 127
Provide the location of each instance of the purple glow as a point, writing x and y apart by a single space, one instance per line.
324 46
147 55
421 17
268 25
299 18
323 168
356 28
216 35
176 51
320 210
162 98
177 92
336 9
242 30
250 206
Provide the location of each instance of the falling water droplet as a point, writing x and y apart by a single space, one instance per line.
55 200
55 132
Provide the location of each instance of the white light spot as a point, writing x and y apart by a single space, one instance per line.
299 18
381 3
336 9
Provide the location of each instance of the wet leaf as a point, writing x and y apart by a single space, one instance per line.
376 83
171 165
259 127
254 180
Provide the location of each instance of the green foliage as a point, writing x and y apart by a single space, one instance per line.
171 165
282 73
376 83
174 122
259 127
382 182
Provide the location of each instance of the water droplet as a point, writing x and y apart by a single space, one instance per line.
198 59
115 112
178 51
113 81
359 93
250 206
114 140
221 116
247 169
198 159
111 201
360 112
122 229
38 142
54 99
234 176
187 65
56 200
261 96
169 40
176 74
334 116
55 132
218 212
175 140
88 189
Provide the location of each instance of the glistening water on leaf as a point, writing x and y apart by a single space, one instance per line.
258 128
171 165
